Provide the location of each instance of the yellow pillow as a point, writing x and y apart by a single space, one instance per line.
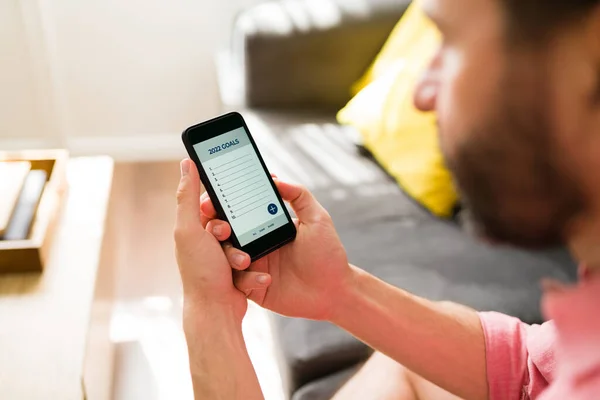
402 139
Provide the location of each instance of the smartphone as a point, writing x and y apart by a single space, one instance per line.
239 184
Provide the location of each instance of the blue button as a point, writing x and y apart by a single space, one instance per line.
272 208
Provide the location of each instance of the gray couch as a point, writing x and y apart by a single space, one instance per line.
288 77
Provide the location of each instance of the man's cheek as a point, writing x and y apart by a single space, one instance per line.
449 121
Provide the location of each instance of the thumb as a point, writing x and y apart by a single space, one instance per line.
188 198
304 204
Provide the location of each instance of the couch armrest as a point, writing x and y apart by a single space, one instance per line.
305 53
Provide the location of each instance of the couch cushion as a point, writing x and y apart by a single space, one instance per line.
293 53
389 235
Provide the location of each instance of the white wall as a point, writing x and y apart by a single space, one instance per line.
20 114
104 73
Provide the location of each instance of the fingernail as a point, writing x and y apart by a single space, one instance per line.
217 230
238 259
185 167
262 279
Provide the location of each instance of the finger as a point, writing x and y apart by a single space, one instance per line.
204 197
306 207
246 282
203 218
274 176
188 193
207 211
221 230
207 208
237 258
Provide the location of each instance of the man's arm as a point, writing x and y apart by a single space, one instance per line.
219 362
213 308
442 342
311 279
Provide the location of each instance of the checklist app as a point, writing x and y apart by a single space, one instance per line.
241 185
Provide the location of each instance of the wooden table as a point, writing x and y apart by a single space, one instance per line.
54 326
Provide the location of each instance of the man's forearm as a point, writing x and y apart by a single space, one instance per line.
442 342
219 361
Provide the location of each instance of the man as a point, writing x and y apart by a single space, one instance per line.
516 87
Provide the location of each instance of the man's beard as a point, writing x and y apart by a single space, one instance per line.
511 177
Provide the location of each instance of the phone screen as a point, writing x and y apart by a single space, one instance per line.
241 185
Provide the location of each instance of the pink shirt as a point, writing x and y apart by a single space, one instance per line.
554 361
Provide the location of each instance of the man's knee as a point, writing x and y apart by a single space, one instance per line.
399 382
382 362
380 378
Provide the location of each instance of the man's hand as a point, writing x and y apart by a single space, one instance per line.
306 275
310 278
205 271
213 307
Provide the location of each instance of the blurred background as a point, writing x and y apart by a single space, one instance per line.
90 295
95 77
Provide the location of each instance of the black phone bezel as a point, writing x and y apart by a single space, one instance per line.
219 126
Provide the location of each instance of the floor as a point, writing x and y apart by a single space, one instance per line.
151 356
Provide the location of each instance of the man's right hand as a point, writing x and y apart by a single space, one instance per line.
307 275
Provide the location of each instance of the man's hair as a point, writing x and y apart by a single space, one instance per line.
537 20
